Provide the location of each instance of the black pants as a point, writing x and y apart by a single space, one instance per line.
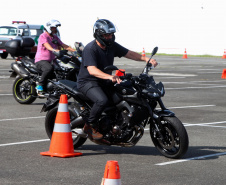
47 71
102 95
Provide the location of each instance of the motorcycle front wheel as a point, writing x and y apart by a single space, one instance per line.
50 121
171 139
23 91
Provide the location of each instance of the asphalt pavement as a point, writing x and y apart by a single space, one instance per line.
196 93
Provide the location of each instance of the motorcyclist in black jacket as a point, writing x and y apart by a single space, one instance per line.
92 81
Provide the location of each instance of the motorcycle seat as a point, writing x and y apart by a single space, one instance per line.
31 66
72 86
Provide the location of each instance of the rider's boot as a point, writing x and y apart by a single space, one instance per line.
92 133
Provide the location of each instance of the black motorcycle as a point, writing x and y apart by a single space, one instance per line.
123 124
66 66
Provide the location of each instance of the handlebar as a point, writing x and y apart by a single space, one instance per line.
60 53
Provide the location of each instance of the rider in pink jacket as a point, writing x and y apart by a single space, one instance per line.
48 42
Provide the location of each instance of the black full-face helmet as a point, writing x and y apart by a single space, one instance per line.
103 26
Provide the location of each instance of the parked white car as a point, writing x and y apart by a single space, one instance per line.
15 31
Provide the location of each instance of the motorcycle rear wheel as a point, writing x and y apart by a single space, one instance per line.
50 121
23 91
174 143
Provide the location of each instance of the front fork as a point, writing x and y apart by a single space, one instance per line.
158 114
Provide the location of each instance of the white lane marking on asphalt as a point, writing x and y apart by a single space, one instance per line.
203 124
171 77
189 159
195 106
171 74
6 94
195 87
22 118
212 124
24 142
209 72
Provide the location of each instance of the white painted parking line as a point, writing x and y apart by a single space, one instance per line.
4 77
211 124
189 159
209 72
203 124
24 142
196 87
171 74
194 106
6 94
170 77
12 119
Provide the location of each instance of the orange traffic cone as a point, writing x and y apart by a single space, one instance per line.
111 174
61 142
224 74
143 53
224 55
120 72
185 54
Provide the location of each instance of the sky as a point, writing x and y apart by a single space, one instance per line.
172 25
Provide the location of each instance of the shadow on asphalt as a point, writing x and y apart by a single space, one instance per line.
136 150
193 151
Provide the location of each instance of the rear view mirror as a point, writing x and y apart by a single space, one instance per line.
154 51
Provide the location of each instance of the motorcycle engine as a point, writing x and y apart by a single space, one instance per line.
139 115
105 124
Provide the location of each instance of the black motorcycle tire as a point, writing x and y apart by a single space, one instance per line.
23 91
175 138
50 121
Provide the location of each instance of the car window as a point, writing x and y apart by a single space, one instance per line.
8 31
36 32
23 32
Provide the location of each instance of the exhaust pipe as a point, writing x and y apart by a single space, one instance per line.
20 70
76 122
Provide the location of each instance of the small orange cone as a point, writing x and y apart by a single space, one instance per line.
224 74
61 142
111 174
224 55
185 54
120 72
143 53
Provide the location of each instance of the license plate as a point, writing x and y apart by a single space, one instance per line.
1 51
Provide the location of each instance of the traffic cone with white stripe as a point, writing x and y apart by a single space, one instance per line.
185 54
61 142
143 53
111 174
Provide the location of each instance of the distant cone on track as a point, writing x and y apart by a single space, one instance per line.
185 54
61 142
143 53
